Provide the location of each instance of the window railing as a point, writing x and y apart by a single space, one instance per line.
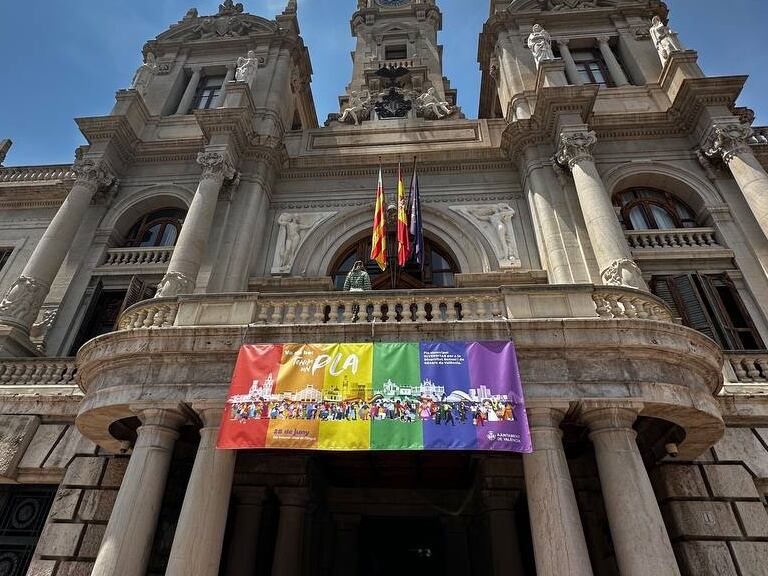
748 366
48 372
674 238
155 256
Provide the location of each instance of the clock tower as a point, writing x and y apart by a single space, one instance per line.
398 35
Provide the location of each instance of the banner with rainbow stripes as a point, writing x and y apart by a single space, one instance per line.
380 396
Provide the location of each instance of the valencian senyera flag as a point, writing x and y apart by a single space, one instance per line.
380 396
403 238
416 230
379 238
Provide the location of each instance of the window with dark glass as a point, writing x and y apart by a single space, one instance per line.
23 510
592 68
710 304
160 228
438 271
649 209
207 95
398 52
5 254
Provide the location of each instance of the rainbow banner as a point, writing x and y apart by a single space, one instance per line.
399 396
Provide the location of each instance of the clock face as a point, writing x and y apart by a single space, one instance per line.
392 2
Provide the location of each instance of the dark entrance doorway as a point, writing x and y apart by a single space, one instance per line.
402 546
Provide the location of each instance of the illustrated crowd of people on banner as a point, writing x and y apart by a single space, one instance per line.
441 412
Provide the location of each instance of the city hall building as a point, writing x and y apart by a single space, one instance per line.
607 212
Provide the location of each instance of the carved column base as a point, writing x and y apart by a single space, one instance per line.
623 272
22 303
173 284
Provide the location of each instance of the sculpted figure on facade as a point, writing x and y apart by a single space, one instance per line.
665 39
429 106
246 67
540 43
294 230
145 74
495 222
359 108
5 146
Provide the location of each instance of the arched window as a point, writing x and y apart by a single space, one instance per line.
159 228
439 266
649 209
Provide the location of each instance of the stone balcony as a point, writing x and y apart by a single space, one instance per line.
574 342
136 260
676 243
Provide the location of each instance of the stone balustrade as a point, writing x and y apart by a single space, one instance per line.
760 136
36 173
138 256
506 303
52 372
676 238
407 63
748 366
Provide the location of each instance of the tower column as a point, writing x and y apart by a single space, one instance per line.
731 143
199 536
228 78
617 73
22 302
505 548
289 547
605 234
243 549
558 537
190 247
189 93
639 535
127 541
570 64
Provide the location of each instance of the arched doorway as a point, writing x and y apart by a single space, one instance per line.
438 271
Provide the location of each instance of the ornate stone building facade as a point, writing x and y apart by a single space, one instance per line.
608 211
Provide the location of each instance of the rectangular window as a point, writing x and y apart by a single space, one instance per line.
5 254
23 510
207 95
592 68
710 304
399 52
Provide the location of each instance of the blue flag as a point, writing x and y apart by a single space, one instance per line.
414 210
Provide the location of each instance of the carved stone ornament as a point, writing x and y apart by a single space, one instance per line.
145 74
623 272
22 302
556 5
215 166
665 39
495 223
247 67
228 8
5 146
221 27
358 109
393 103
540 44
45 320
295 228
729 140
430 107
575 147
173 284
92 173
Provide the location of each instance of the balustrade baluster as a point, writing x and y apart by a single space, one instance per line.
290 315
351 309
319 315
378 311
421 310
762 363
277 313
263 312
752 371
304 312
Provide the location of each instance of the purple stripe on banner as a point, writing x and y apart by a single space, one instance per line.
500 418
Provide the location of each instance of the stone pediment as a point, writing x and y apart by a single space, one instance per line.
557 5
225 25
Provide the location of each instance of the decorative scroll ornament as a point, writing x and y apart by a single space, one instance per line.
729 140
215 166
575 147
295 228
22 302
173 284
623 272
494 221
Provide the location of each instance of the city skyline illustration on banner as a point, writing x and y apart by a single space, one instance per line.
377 396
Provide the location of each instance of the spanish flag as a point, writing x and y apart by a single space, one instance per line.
379 240
403 238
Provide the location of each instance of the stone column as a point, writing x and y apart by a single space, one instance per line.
228 78
242 552
23 300
199 536
346 548
558 537
289 547
608 240
730 142
189 93
570 65
640 537
190 247
617 73
456 544
127 541
505 548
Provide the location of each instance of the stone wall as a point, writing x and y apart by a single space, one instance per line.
715 516
77 520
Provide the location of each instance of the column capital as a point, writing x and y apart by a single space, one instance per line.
563 42
600 415
92 173
499 499
210 412
292 497
250 495
728 140
575 147
215 165
196 68
172 415
603 39
545 416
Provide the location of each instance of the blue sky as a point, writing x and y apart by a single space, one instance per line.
66 58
